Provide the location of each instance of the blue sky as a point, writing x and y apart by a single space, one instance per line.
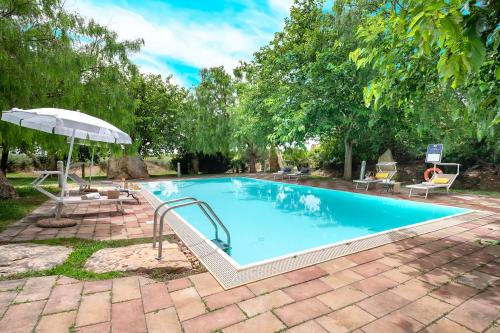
183 36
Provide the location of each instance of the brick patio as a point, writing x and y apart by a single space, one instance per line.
444 281
94 221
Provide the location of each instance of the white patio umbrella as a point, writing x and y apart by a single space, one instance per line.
72 124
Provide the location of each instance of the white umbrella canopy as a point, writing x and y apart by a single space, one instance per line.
72 124
65 122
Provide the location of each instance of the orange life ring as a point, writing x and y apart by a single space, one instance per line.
428 172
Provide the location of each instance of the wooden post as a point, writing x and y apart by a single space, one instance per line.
60 168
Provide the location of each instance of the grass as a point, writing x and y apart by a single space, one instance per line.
29 199
74 266
495 194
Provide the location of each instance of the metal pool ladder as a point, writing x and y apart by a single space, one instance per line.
207 211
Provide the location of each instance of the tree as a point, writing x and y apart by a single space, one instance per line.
206 122
418 48
308 84
50 57
250 126
159 104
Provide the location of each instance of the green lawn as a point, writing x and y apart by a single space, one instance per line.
29 199
495 194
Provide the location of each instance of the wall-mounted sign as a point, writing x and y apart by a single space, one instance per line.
434 153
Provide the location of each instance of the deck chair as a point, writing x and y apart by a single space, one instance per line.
283 172
438 180
385 173
65 200
302 173
85 184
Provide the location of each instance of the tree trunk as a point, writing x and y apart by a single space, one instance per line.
252 162
7 191
83 170
5 158
273 160
348 159
196 165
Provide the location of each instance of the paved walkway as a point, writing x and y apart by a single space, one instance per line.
445 281
94 221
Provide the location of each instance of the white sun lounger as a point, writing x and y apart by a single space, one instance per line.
383 167
430 185
65 200
85 184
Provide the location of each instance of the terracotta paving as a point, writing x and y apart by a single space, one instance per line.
377 290
443 281
94 221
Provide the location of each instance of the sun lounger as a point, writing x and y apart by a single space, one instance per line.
439 180
385 172
85 184
66 200
283 172
303 172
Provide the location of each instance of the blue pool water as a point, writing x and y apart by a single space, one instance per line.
268 219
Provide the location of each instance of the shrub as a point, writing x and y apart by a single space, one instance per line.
216 163
19 162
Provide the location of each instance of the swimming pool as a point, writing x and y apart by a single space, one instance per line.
272 220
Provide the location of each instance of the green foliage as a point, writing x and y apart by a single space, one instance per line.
159 105
206 122
421 49
207 163
19 162
51 57
364 77
298 156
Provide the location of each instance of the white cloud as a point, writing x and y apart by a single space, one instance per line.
149 64
186 38
281 5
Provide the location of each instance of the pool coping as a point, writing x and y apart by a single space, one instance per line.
231 274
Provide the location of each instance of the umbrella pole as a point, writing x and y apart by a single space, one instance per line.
68 163
91 164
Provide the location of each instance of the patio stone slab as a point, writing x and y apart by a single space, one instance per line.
141 257
20 258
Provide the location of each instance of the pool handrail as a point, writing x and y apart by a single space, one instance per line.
203 206
155 220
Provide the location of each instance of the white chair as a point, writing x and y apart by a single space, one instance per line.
66 200
85 184
438 180
385 172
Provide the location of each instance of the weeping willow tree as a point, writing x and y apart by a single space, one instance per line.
50 57
205 126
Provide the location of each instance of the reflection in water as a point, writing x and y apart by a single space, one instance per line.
296 200
165 189
289 199
311 202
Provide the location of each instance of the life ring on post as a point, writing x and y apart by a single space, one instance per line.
427 173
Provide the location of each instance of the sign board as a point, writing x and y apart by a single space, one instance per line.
434 153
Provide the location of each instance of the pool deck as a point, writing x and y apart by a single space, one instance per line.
443 281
